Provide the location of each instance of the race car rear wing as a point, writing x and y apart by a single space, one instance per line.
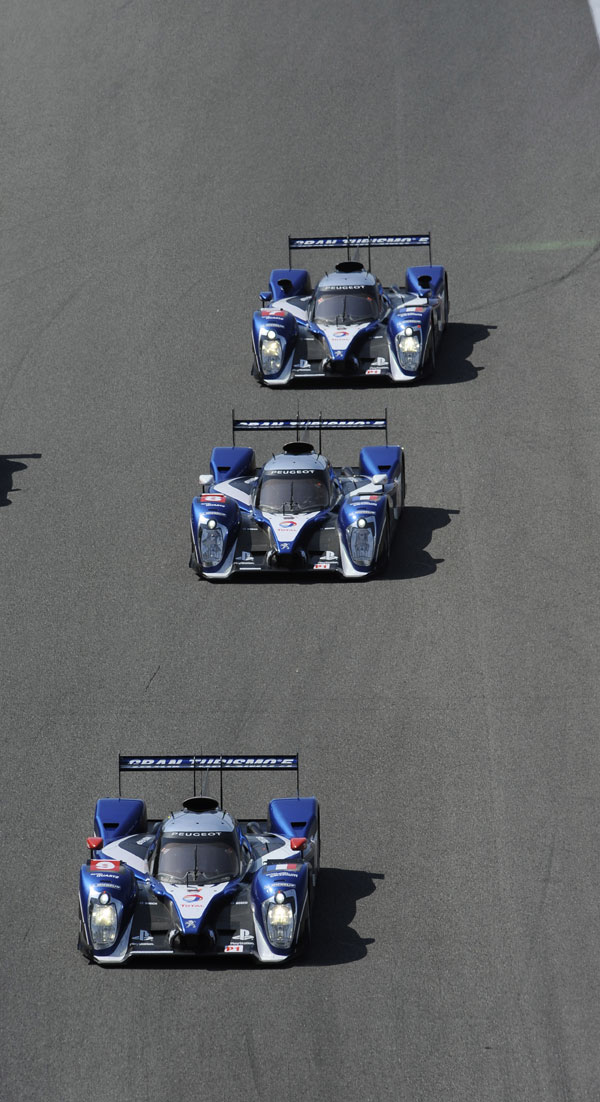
373 424
371 241
194 763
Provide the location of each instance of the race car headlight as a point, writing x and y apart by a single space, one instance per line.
408 348
211 544
103 925
362 543
271 355
280 923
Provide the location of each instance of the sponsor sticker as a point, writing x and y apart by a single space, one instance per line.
345 242
201 762
171 834
231 948
243 935
193 897
103 865
288 524
373 371
144 935
322 566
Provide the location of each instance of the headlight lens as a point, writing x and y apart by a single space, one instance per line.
362 545
271 355
211 545
280 924
408 348
103 925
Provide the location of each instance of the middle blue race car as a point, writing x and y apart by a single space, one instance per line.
350 325
297 512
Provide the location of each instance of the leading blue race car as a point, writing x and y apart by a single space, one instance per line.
350 326
199 883
297 512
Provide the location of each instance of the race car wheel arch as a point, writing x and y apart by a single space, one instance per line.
428 363
317 861
83 945
305 936
383 557
193 559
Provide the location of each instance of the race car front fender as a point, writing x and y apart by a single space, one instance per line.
209 511
284 328
104 877
291 880
364 510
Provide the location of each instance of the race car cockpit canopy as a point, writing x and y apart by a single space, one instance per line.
345 305
294 490
198 857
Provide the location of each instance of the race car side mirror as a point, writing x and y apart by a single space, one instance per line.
266 296
379 479
297 843
205 480
93 842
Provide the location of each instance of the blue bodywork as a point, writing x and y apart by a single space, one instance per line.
116 818
232 531
397 338
128 908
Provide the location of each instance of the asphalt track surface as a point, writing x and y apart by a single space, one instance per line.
155 157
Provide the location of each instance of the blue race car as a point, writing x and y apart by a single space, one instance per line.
297 512
350 326
199 882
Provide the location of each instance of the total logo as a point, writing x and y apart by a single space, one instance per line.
192 897
288 524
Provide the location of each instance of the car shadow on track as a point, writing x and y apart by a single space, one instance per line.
408 558
453 365
455 348
333 939
9 465
333 942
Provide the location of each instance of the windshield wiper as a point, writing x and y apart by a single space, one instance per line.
196 873
291 504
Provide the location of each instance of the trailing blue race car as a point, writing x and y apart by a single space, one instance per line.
199 883
350 325
297 512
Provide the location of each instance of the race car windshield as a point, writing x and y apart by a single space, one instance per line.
201 861
293 493
345 307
